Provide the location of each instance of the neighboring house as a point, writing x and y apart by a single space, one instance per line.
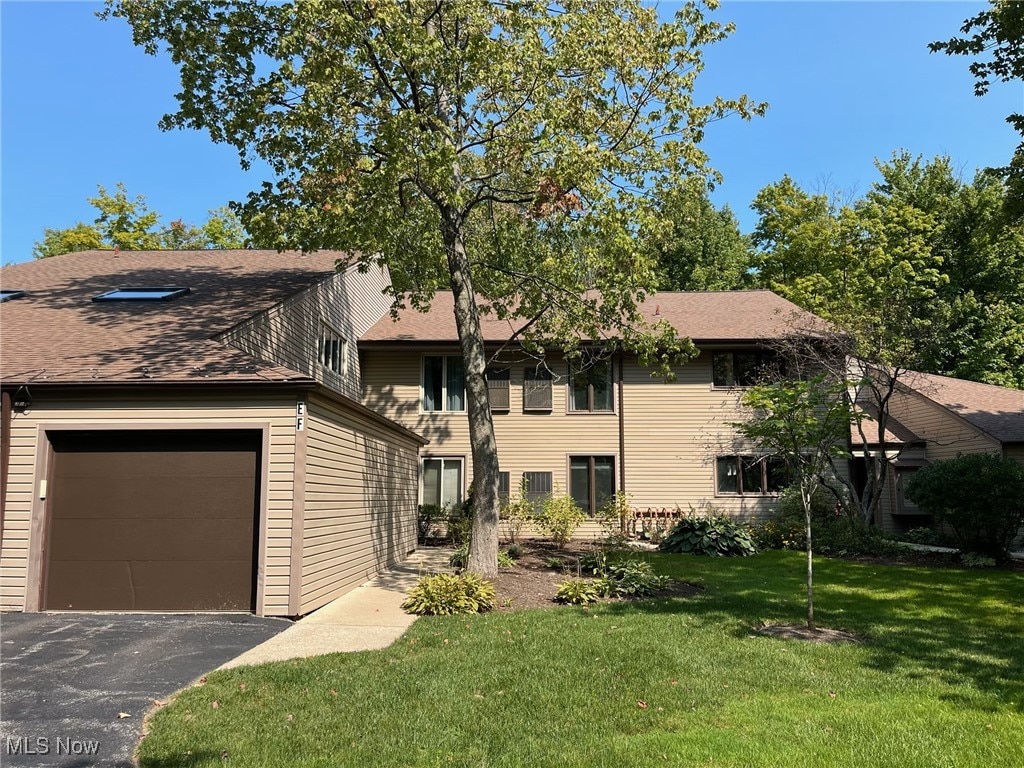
181 431
936 417
611 427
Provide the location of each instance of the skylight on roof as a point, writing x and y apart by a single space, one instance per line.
7 295
166 293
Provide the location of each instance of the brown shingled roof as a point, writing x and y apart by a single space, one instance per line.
57 334
998 411
709 316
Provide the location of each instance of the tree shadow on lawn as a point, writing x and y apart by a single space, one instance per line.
959 627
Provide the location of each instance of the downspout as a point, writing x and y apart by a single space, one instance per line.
622 428
5 456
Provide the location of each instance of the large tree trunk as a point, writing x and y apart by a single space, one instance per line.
483 549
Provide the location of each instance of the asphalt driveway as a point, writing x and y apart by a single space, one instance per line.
67 679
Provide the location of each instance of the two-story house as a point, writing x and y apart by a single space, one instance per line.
609 426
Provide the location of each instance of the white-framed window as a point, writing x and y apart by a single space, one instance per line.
441 481
332 350
590 388
750 475
444 383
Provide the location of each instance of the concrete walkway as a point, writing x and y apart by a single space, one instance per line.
366 619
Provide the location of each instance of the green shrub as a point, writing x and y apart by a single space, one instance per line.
429 515
515 551
460 523
712 536
974 560
445 594
595 562
559 518
578 591
835 532
634 578
922 536
979 496
614 516
517 513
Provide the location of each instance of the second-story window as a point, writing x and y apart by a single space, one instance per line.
331 349
744 369
498 388
591 387
444 383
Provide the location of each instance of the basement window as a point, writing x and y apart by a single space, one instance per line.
165 293
7 295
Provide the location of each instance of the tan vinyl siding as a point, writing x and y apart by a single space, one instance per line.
287 334
673 431
945 433
360 501
275 412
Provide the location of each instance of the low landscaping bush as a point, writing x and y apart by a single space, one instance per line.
634 578
517 513
578 591
835 532
559 518
444 594
974 560
979 496
427 519
460 524
922 535
713 536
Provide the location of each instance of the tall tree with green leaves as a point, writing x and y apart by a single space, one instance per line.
127 223
995 38
924 271
502 149
701 248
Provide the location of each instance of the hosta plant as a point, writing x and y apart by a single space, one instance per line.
578 591
444 594
712 536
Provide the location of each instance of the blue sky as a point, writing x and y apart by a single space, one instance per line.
847 82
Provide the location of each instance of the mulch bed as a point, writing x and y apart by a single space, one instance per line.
533 582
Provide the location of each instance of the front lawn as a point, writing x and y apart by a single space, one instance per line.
675 682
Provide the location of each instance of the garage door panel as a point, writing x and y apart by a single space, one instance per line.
161 539
147 586
221 585
152 520
97 497
147 464
89 586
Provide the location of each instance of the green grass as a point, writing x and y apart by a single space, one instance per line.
939 682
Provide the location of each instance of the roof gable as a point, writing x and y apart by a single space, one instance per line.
997 411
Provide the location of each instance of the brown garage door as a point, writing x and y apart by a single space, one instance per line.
160 520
